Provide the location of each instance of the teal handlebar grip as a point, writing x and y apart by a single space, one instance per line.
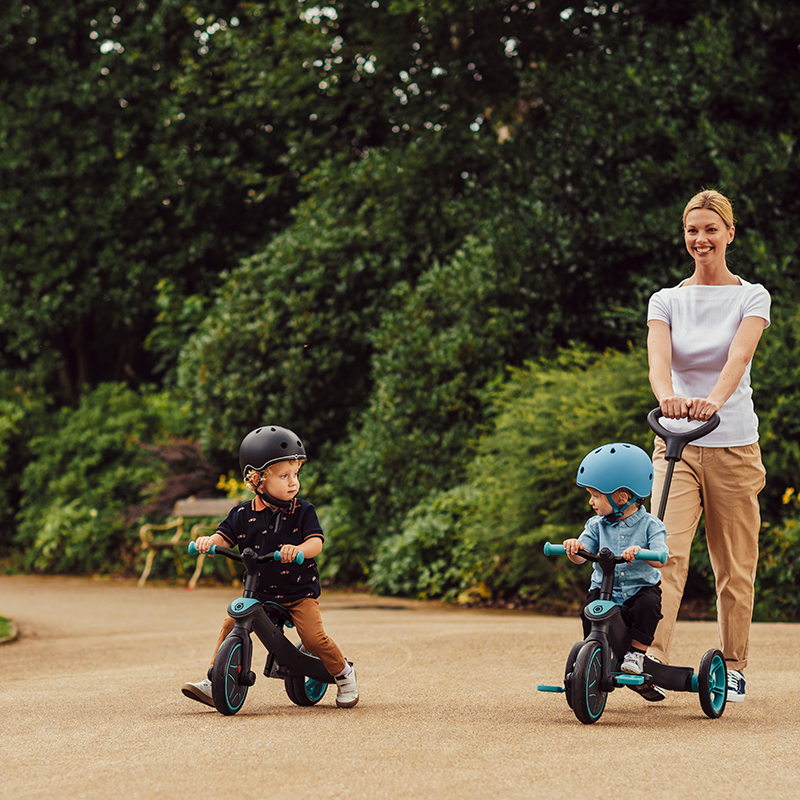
653 555
193 551
554 549
298 559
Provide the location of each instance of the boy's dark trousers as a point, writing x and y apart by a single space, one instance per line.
641 613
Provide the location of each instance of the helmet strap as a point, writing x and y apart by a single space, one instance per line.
618 511
286 505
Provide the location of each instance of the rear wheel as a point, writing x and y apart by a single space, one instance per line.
303 691
588 697
712 683
228 694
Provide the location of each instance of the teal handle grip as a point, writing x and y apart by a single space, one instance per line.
653 555
298 559
554 549
193 551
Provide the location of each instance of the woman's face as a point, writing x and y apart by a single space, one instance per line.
706 237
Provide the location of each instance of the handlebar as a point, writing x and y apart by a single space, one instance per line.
677 441
643 555
219 550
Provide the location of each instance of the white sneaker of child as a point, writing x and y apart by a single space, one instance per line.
347 688
200 691
633 663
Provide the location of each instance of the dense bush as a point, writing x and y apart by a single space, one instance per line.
87 469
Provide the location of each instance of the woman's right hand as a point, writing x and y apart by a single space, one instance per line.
674 407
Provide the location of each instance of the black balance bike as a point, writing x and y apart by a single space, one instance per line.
592 669
304 676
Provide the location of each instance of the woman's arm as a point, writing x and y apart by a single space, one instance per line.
740 354
659 357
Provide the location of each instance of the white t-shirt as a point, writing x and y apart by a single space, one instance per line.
703 321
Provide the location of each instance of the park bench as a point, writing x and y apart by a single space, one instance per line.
177 543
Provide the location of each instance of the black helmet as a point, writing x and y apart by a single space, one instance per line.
268 445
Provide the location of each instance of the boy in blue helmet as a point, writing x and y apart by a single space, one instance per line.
618 477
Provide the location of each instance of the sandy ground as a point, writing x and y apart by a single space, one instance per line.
92 708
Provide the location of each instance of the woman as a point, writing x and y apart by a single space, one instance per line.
701 340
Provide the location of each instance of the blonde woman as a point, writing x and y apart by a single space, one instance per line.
702 335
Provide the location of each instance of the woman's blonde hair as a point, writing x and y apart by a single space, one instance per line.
713 200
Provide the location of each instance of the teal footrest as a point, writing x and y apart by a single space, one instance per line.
544 688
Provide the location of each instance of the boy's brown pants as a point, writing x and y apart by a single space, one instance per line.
308 624
723 483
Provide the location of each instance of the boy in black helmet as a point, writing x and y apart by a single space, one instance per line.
277 519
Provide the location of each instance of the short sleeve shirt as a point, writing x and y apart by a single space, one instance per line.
641 528
256 525
703 321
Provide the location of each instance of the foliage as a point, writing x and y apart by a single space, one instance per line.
521 484
778 575
86 469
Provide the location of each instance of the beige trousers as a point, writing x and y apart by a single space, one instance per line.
723 484
308 624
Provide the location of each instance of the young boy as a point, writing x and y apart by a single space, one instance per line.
618 477
277 519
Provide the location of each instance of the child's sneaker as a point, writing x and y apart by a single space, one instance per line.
200 691
633 663
736 684
347 689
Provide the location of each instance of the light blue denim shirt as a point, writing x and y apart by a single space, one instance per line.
641 528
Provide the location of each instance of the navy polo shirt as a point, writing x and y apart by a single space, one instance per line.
254 524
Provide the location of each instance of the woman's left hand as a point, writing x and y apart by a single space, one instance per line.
701 408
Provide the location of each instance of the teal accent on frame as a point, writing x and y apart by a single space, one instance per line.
242 605
599 608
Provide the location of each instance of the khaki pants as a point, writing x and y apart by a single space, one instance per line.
308 624
723 483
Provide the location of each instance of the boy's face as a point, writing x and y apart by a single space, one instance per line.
599 503
282 480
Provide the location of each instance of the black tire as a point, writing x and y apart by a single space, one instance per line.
588 699
569 669
228 694
712 683
303 691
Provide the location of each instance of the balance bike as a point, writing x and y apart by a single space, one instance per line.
592 668
305 678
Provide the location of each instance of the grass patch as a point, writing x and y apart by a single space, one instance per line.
5 627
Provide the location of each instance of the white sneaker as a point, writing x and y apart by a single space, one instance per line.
633 663
347 690
200 691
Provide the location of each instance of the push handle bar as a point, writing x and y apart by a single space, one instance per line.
219 550
677 441
643 555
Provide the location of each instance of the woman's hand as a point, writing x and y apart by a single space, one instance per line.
701 408
675 407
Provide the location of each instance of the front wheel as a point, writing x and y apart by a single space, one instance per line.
712 683
569 670
588 698
228 693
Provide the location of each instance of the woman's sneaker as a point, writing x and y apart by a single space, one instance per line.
736 684
200 691
633 663
347 690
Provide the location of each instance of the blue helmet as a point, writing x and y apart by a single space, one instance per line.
617 466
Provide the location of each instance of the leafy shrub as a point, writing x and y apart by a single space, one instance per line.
87 468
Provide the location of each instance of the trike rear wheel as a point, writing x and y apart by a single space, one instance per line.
588 697
228 694
712 683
